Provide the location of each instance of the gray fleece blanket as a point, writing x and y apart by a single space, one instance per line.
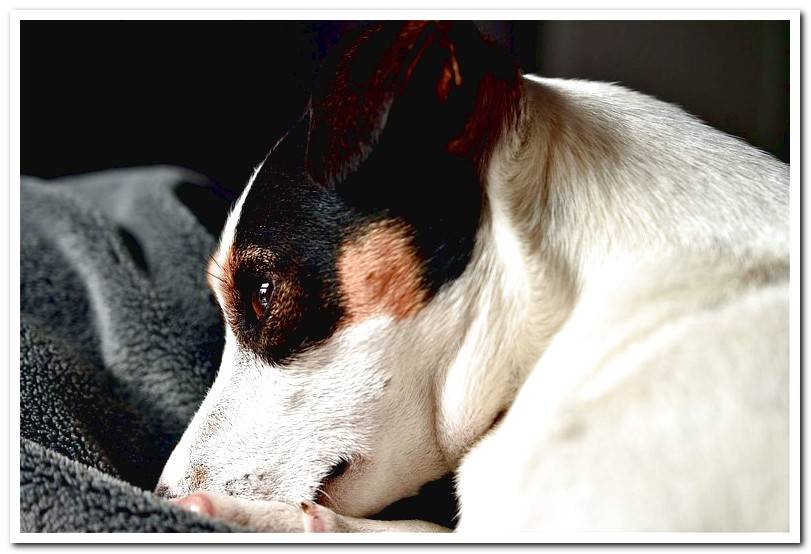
120 339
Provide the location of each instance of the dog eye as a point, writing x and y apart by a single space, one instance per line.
260 299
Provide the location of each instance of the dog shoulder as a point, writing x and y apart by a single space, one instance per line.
674 420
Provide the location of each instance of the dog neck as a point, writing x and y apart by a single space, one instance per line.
570 190
511 300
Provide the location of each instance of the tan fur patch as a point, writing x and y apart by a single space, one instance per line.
379 272
199 476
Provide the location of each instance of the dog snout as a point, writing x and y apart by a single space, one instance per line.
195 479
166 491
198 477
173 482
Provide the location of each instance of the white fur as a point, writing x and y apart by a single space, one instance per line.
229 230
626 303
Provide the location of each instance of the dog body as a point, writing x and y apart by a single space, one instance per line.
593 337
657 402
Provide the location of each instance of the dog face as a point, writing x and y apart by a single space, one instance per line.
338 272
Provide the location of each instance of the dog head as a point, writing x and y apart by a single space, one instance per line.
338 274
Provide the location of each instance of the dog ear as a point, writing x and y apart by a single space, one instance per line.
401 126
420 88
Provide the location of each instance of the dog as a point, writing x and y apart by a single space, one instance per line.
572 296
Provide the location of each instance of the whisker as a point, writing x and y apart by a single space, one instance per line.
213 259
332 500
217 277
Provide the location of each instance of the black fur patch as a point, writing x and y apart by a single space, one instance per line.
294 228
398 129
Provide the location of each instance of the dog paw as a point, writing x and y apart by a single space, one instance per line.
261 515
317 518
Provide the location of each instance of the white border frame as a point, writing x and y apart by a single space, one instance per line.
793 16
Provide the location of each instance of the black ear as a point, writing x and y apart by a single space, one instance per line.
401 125
424 87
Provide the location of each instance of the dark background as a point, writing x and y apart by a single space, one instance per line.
215 95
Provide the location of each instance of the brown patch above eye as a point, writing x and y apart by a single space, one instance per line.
379 272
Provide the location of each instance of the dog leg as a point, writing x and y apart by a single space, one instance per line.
279 517
318 519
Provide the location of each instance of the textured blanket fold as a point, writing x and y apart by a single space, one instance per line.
120 340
